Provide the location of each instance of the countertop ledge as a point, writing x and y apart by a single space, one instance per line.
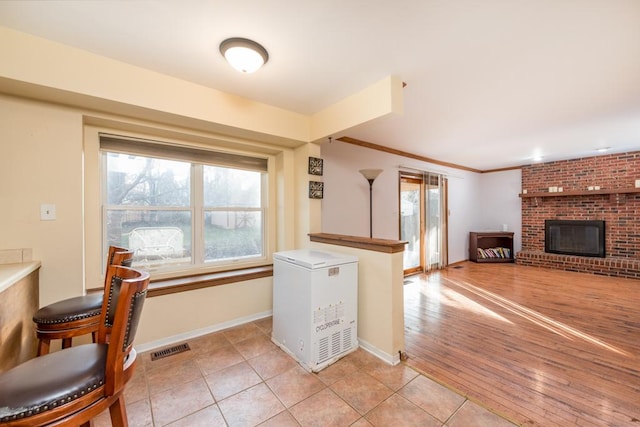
376 245
10 274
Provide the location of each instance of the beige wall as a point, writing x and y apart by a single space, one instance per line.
49 92
167 318
307 211
41 162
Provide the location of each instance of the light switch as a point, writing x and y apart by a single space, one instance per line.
47 212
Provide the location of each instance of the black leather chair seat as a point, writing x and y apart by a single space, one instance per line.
70 310
51 380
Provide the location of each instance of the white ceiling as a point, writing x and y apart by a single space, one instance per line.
490 83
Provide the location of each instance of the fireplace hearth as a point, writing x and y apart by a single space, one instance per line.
617 204
575 237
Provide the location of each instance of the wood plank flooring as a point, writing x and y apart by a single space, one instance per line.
541 347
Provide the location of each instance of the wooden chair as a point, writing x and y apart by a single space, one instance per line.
71 386
76 316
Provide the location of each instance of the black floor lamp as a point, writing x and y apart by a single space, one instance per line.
370 175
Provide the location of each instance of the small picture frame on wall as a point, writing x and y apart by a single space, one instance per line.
316 190
315 166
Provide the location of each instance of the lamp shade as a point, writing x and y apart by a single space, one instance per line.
244 55
370 174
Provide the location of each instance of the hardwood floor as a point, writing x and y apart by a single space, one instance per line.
540 347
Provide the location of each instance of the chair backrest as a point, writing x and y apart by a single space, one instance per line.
119 256
125 292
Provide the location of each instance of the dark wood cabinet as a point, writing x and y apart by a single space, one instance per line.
491 246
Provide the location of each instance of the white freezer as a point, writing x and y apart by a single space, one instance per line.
315 306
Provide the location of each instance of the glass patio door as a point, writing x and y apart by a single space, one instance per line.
423 221
435 221
411 223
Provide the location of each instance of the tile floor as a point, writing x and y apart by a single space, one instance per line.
238 377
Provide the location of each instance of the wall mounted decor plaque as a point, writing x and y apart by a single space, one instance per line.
316 189
315 166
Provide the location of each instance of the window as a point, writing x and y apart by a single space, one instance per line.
182 208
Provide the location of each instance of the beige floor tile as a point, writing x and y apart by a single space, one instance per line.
283 419
220 358
138 414
399 412
361 391
337 371
254 346
362 422
434 398
208 343
322 409
394 377
172 375
180 401
473 414
229 381
295 385
136 388
272 363
207 417
243 332
266 325
250 407
364 360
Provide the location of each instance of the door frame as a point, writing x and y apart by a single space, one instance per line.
413 179
444 231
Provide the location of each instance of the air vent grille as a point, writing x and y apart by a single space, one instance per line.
169 351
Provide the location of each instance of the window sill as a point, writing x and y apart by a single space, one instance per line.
198 281
182 284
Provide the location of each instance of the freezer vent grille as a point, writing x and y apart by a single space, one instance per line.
329 347
346 339
323 349
335 343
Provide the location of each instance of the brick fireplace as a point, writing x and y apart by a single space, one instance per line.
593 188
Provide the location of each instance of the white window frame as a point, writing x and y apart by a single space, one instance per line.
93 221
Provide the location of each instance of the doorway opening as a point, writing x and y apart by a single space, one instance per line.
423 221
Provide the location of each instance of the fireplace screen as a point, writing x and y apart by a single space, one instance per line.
574 237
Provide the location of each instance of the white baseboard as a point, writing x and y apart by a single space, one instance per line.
391 359
164 342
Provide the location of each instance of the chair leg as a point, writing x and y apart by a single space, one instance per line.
43 346
66 342
94 336
118 412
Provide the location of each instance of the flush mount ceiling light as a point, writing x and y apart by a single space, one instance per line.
244 55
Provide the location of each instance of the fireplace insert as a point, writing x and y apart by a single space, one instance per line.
574 237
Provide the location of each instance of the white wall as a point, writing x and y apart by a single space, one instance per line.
464 212
500 205
345 207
